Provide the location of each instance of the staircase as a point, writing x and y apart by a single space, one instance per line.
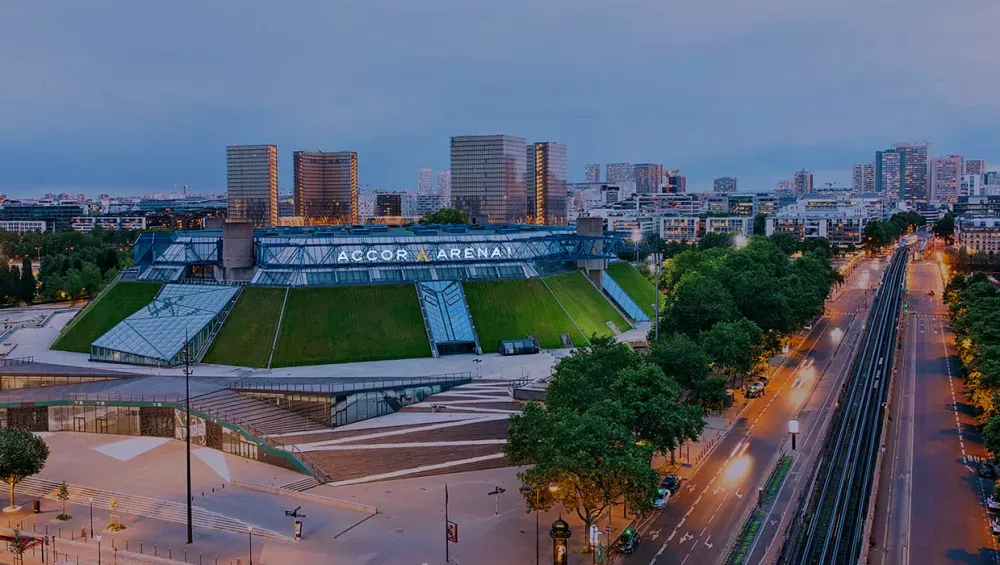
303 485
142 506
258 417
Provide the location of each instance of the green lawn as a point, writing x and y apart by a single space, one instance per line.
353 323
515 309
111 307
637 286
248 333
585 304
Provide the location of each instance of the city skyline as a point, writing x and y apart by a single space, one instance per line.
146 132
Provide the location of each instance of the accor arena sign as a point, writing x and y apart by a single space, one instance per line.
425 254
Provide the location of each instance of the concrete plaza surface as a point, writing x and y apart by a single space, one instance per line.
408 528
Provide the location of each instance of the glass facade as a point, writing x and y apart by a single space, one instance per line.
155 335
889 173
326 187
546 183
915 184
252 184
488 178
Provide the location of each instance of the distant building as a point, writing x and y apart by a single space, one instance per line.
978 234
863 179
326 187
946 178
916 181
648 178
889 173
88 223
765 203
730 225
592 173
679 229
839 220
724 185
802 182
429 203
425 181
286 208
677 184
252 183
546 174
742 204
56 216
975 167
984 205
388 204
22 226
619 172
488 178
444 184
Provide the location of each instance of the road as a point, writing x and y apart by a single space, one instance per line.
930 505
699 522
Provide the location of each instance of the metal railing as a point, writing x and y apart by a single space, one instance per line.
331 387
16 361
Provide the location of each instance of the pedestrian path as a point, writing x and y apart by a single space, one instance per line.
143 506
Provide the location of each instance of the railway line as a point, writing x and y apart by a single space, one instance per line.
830 527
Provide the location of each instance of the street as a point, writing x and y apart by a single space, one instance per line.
699 523
930 502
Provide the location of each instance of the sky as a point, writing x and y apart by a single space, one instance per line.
137 97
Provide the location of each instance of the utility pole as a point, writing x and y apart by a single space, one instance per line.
187 426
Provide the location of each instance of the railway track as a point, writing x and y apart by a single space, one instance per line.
830 528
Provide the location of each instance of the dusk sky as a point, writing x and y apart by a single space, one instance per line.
134 97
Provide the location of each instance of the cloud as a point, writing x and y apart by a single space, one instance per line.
110 93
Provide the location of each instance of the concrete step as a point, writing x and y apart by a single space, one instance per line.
303 485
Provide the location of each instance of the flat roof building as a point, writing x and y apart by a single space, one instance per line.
252 184
488 178
546 162
326 187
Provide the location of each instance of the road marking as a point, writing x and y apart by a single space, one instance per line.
686 537
708 545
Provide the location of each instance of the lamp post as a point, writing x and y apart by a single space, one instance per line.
187 427
98 550
92 516
478 363
656 294
250 530
553 487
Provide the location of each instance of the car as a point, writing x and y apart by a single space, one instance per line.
808 327
662 498
672 483
755 390
986 470
931 293
992 503
764 380
995 526
627 542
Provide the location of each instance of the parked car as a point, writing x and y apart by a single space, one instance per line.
808 327
627 542
756 389
931 293
992 503
672 483
995 526
986 470
764 380
662 498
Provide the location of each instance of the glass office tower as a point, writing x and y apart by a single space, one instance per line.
488 178
326 187
252 184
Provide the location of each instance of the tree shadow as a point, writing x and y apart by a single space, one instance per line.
957 555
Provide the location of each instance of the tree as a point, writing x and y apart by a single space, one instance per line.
63 495
445 216
682 358
712 239
592 458
22 454
736 348
945 227
27 286
760 224
697 304
17 547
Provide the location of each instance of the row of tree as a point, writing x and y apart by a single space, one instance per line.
879 234
17 285
973 303
608 409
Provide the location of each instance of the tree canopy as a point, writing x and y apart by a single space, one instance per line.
879 234
945 227
445 216
22 454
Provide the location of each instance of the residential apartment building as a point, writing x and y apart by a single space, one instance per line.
841 221
802 182
974 167
724 185
88 223
680 229
916 170
619 172
648 178
889 173
978 234
730 225
592 173
488 178
252 184
863 179
946 178
22 226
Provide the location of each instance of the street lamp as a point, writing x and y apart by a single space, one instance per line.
98 550
250 530
92 516
478 363
187 424
553 487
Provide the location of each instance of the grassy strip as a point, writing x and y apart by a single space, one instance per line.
748 533
120 302
588 307
515 309
351 323
248 333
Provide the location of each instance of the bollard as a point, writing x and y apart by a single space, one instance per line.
185 556
154 551
126 544
199 560
140 547
170 553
